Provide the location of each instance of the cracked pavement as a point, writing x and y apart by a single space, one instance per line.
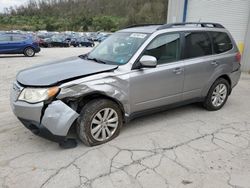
183 147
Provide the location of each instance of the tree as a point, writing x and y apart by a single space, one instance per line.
84 15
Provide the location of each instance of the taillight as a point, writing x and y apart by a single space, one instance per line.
238 57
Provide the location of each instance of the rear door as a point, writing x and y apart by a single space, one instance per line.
18 43
5 45
198 64
224 52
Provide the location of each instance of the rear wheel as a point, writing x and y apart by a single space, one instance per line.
100 121
217 95
29 52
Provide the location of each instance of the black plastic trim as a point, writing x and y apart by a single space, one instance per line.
142 25
39 130
202 24
161 108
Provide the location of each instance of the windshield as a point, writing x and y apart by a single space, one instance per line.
118 48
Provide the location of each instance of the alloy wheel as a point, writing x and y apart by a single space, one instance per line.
219 95
104 124
30 52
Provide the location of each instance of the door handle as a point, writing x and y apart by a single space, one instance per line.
178 70
215 63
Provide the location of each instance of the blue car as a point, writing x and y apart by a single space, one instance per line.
18 44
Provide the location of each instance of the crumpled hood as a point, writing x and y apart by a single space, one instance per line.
61 71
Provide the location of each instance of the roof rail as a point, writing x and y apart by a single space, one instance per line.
141 25
202 24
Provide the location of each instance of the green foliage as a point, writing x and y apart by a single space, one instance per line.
83 15
106 23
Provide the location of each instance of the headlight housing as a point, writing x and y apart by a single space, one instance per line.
35 95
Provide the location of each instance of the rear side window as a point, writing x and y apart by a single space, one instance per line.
221 42
165 48
5 38
197 44
18 38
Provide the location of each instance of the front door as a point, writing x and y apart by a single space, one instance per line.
5 43
162 85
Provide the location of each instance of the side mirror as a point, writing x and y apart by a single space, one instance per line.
148 61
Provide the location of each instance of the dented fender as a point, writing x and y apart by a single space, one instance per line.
113 86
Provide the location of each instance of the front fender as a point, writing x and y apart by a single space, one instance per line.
110 86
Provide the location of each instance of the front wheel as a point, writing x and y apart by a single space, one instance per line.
29 52
100 121
217 95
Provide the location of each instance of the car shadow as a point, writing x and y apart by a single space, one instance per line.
147 119
14 56
11 56
135 123
181 111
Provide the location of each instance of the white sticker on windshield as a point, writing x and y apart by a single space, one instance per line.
138 35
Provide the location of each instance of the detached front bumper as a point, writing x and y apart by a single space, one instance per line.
52 121
39 130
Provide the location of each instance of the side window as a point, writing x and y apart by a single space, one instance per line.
5 38
166 48
197 44
221 42
18 38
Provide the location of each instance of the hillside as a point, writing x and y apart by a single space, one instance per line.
83 15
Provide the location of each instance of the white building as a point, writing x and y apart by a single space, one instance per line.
232 14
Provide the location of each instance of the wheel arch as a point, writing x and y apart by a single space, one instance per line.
81 101
28 47
227 78
208 86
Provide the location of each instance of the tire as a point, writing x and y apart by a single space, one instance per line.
29 52
213 96
88 120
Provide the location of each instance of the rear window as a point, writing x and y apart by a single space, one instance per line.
197 44
221 42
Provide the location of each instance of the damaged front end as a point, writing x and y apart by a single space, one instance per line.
49 120
53 118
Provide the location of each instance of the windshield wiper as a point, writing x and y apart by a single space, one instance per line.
84 56
97 60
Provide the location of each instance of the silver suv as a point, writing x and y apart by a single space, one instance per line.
137 70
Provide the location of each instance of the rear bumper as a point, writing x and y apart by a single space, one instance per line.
235 77
37 49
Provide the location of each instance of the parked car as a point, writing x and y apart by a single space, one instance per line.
18 44
82 41
103 37
73 42
41 42
57 41
135 71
